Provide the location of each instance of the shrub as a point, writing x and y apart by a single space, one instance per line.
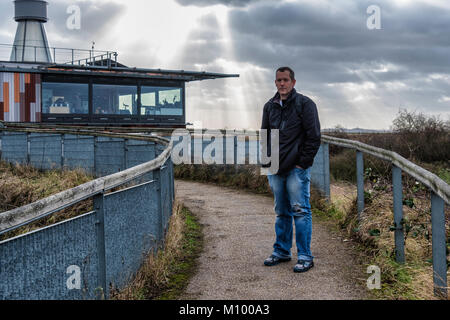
422 137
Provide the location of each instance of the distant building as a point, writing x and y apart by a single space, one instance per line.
73 86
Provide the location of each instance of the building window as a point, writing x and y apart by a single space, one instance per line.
65 98
162 101
114 99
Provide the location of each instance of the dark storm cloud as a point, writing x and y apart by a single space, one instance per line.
309 33
335 46
329 43
205 3
96 17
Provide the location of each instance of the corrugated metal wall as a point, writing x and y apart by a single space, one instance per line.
20 97
109 242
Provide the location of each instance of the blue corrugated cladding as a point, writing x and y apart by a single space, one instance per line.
131 230
37 265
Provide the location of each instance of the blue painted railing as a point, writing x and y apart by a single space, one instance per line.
86 256
241 143
103 155
440 194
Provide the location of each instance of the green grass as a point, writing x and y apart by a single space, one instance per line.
444 174
411 280
165 274
184 265
396 279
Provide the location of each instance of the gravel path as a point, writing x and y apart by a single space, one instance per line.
238 236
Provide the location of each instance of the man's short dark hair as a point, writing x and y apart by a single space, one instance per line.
291 72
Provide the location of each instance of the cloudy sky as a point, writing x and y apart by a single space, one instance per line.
358 76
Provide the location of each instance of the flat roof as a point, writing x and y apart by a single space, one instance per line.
127 72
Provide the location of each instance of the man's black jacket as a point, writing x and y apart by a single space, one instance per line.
299 128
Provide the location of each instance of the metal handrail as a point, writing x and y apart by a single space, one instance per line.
91 55
12 219
440 194
432 181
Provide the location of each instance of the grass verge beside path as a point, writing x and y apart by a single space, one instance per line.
166 273
374 241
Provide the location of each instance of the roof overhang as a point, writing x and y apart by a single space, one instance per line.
126 72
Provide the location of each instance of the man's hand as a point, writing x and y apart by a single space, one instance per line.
297 166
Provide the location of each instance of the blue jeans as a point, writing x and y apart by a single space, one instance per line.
291 194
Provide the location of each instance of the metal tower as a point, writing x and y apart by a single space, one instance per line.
30 42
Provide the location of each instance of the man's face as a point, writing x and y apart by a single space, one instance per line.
284 83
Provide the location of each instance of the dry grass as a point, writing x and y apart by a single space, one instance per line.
21 185
414 279
241 177
373 234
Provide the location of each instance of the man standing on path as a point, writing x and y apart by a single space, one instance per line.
296 118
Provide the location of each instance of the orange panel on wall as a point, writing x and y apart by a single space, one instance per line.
6 96
21 97
16 87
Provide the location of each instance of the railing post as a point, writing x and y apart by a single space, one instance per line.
326 170
62 151
101 290
157 178
360 181
172 183
224 148
125 154
28 148
1 143
398 214
95 156
235 151
438 246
